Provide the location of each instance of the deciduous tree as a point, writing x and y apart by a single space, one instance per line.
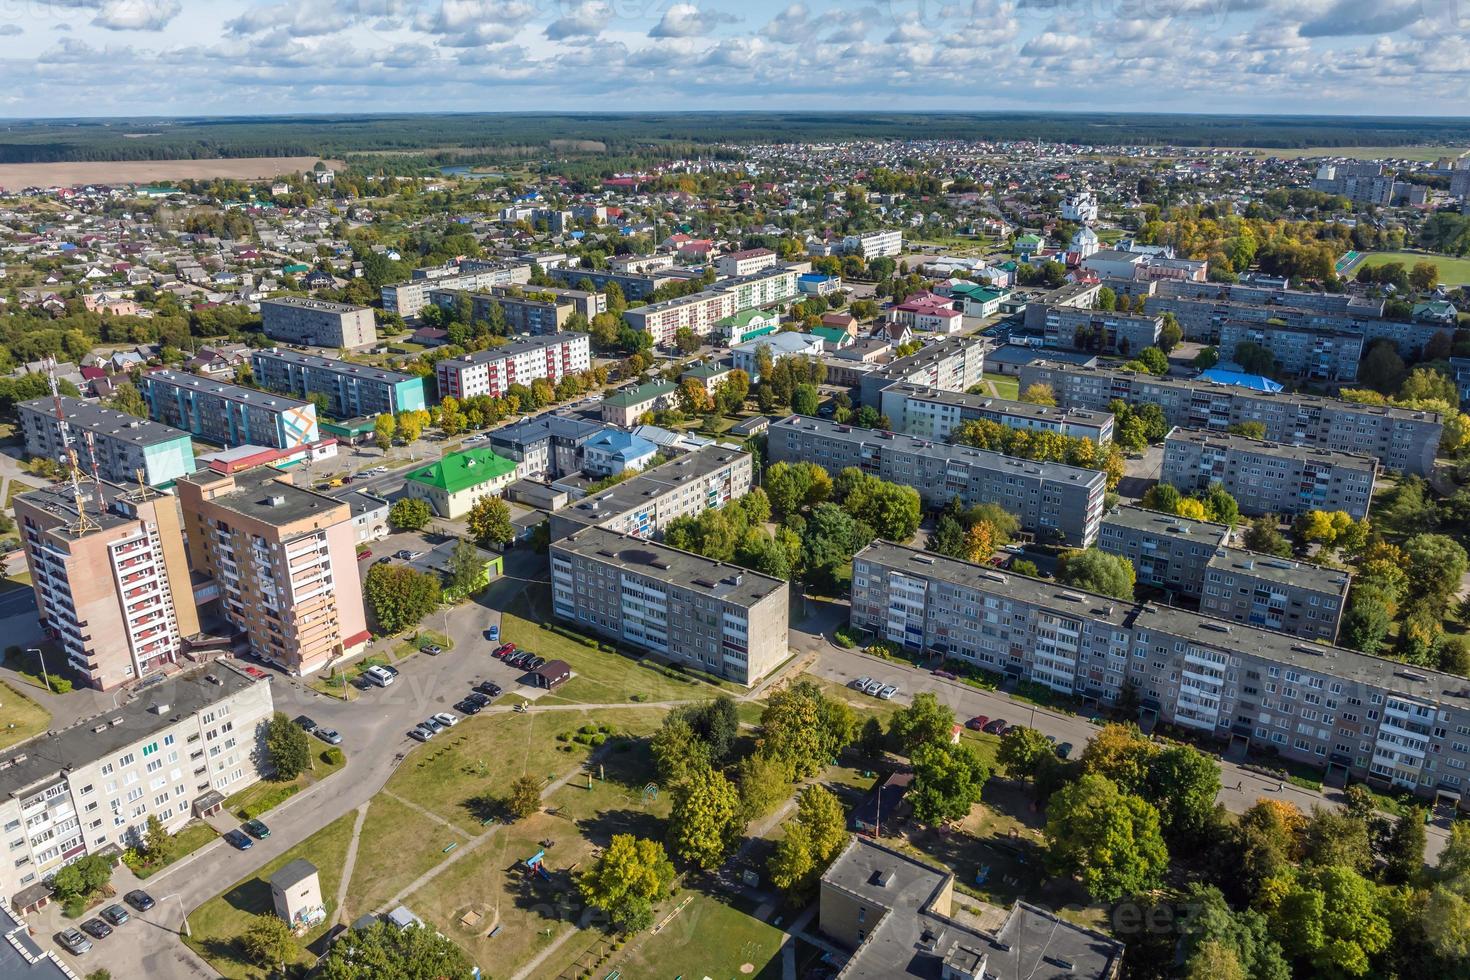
288 747
705 819
1107 839
626 879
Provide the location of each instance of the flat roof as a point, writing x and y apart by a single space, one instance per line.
263 494
652 482
46 757
106 422
360 501
1005 406
936 350
464 469
57 499
1239 443
1286 571
1158 523
229 392
291 873
721 580
335 365
521 345
308 303
548 425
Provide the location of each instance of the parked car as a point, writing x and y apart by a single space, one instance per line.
420 733
519 659
73 942
1064 750
446 719
535 663
861 684
97 929
257 829
996 727
873 687
433 724
468 707
946 674
493 634
239 840
380 676
977 723
139 899
364 554
888 692
384 560
404 554
489 688
432 649
503 651
115 915
391 670
307 725
329 735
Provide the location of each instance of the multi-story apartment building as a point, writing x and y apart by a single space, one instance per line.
1402 439
697 311
635 285
1167 552
1351 714
1191 559
547 445
352 390
1051 500
493 371
318 323
1096 331
767 287
1280 594
932 413
111 577
706 479
874 244
122 444
285 561
718 618
744 262
408 299
949 364
229 414
1268 477
173 754
1314 355
529 310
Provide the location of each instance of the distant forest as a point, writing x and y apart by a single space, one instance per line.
510 135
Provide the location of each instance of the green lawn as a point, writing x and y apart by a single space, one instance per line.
398 844
707 938
1004 386
218 924
192 836
1452 270
20 717
274 793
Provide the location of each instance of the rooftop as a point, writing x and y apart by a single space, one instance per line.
936 350
521 345
20 957
464 469
307 303
264 494
107 422
229 392
1286 571
548 425
1004 406
46 757
628 397
1158 523
729 583
58 500
705 370
1242 444
334 365
292 873
653 482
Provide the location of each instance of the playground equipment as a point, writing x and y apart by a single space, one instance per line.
536 865
650 793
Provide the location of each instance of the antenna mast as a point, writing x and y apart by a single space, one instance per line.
83 523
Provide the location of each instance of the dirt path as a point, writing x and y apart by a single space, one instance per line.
351 862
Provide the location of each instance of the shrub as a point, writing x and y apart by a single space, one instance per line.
597 740
563 737
333 756
75 907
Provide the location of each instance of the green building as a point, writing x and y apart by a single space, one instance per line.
458 481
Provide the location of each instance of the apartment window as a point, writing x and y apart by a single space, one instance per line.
149 749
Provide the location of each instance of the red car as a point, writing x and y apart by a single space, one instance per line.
948 675
364 554
977 723
255 672
503 651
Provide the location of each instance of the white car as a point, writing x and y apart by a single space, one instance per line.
446 719
872 687
861 683
888 692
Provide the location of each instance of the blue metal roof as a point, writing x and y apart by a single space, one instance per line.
1255 382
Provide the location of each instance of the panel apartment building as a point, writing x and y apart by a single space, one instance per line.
724 298
493 371
1307 353
530 310
318 323
352 390
229 414
636 286
122 444
1051 500
715 617
1402 439
285 560
408 299
111 578
1268 477
949 364
1096 331
546 445
1349 713
706 479
1191 559
178 751
932 413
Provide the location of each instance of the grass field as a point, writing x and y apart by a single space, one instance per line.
707 938
1004 386
218 924
1452 271
266 790
20 717
192 836
1425 153
401 844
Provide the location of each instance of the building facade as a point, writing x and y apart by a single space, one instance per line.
931 413
1267 477
352 390
718 618
949 364
123 445
546 446
1310 354
1095 331
1280 594
1051 500
455 483
493 371
285 561
318 323
192 740
229 414
408 299
1168 552
1404 440
111 578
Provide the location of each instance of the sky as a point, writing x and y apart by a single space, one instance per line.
63 58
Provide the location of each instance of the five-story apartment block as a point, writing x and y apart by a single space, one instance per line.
318 323
229 414
352 390
705 479
493 371
123 445
933 413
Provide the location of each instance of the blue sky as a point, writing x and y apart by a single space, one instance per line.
167 57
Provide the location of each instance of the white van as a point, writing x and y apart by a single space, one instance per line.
378 676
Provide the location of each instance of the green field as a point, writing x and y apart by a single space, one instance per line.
20 717
1452 271
1425 153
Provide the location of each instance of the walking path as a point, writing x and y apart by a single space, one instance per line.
351 862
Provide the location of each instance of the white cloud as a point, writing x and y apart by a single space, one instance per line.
1050 44
788 26
687 20
1347 17
472 23
137 15
585 19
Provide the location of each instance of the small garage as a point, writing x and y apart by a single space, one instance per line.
552 674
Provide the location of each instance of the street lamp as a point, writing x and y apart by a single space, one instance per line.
41 654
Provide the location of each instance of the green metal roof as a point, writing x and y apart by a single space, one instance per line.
462 470
743 318
638 395
833 335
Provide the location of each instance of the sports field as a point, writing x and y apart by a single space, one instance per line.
1452 271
